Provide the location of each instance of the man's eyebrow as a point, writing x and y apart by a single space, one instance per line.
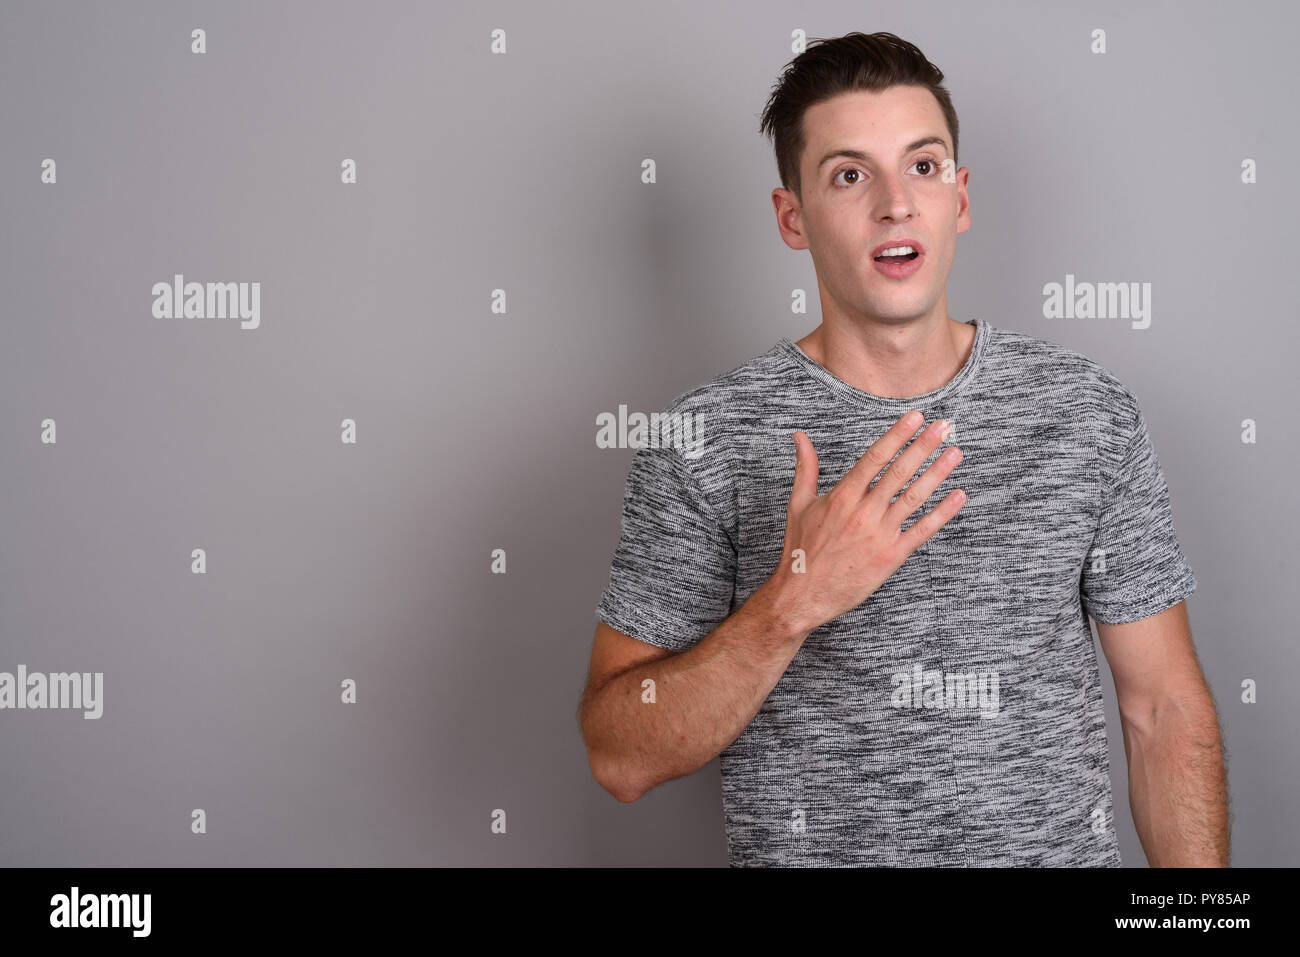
864 157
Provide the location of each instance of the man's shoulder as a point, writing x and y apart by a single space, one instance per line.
1036 364
718 414
743 386
1032 352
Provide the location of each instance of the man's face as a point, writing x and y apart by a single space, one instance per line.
866 182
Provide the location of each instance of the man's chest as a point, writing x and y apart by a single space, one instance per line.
1015 550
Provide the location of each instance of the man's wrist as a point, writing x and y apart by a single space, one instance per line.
777 614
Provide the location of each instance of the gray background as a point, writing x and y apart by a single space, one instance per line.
476 431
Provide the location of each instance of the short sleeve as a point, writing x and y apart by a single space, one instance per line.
1135 567
673 574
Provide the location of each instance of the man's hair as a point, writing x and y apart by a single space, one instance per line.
829 67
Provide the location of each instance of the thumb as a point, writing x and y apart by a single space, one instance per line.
804 491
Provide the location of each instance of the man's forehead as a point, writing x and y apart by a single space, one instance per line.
866 123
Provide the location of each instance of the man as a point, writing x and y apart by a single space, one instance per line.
888 683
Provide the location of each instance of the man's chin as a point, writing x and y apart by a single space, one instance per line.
897 314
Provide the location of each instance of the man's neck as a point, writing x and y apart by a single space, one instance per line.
892 361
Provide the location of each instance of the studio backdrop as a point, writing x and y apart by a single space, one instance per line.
311 311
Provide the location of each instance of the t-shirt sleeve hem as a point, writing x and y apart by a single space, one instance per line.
639 629
1124 612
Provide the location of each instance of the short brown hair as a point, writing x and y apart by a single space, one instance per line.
829 67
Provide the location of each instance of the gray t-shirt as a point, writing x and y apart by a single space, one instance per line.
954 718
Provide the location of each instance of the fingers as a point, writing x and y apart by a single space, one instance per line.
918 493
905 467
923 528
804 492
877 456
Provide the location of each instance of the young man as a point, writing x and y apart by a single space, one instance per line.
889 682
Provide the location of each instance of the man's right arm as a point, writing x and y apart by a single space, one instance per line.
839 548
703 698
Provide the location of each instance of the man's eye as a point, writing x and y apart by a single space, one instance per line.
845 172
931 164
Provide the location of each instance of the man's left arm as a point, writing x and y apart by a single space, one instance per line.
1176 782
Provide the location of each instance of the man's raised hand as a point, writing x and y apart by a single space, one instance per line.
842 546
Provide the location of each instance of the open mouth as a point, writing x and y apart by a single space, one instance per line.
899 259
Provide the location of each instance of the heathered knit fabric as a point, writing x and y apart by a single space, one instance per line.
1067 515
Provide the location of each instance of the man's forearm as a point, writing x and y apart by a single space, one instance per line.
702 699
1177 786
